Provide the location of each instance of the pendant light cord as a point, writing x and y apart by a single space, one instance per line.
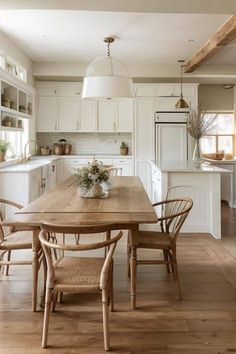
181 81
109 56
108 49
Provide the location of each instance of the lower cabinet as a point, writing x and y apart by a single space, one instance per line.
66 167
228 184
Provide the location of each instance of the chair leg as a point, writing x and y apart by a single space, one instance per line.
105 314
42 302
112 291
165 254
8 266
128 257
46 317
108 237
54 301
177 274
172 265
60 297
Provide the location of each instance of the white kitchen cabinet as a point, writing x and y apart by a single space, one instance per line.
68 114
125 164
47 114
88 116
156 186
171 141
47 88
145 90
70 89
125 116
144 138
34 191
227 183
115 116
107 116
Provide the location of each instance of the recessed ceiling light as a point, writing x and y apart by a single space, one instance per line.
44 36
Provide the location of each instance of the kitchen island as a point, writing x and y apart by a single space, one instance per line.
202 184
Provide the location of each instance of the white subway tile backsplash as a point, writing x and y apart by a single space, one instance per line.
88 143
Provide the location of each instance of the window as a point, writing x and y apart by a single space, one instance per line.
17 140
221 137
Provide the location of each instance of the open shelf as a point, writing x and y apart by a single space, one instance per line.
10 129
9 111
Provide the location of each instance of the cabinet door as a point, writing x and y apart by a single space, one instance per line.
35 191
46 88
88 116
107 116
68 114
125 116
144 129
47 114
171 141
70 88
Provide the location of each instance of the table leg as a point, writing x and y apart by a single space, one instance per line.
133 268
35 268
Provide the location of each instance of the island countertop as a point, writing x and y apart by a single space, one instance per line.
186 167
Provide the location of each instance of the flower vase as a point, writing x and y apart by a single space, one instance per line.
96 191
197 153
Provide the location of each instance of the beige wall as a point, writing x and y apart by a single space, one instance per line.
11 49
215 97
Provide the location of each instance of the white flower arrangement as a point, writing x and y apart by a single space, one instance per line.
88 176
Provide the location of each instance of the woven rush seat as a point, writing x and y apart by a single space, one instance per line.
78 275
152 239
17 240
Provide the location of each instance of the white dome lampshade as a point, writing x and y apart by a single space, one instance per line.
107 77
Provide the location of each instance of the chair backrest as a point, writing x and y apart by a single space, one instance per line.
47 228
115 171
173 214
4 202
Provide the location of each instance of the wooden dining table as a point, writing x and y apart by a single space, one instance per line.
126 206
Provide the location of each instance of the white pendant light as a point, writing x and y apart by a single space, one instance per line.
107 77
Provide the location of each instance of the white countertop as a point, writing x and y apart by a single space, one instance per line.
39 161
186 167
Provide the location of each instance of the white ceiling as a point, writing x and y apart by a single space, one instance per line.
76 36
161 6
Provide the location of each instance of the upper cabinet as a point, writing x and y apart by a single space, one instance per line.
107 112
115 116
47 114
61 109
70 88
45 88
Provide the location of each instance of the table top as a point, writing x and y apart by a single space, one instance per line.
127 203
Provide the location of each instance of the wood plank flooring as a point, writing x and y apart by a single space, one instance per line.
203 323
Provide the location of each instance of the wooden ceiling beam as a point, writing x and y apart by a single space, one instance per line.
220 39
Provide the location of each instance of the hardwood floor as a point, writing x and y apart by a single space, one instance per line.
203 323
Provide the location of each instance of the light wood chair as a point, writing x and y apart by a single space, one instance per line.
13 240
173 214
115 171
78 274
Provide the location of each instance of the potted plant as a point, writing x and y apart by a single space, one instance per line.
3 149
197 127
90 179
124 149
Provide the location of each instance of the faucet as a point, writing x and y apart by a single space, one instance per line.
24 158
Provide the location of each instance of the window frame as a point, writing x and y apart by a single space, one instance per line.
217 136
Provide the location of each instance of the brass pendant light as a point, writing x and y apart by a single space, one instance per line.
181 103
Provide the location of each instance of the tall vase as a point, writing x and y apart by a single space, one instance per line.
197 153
